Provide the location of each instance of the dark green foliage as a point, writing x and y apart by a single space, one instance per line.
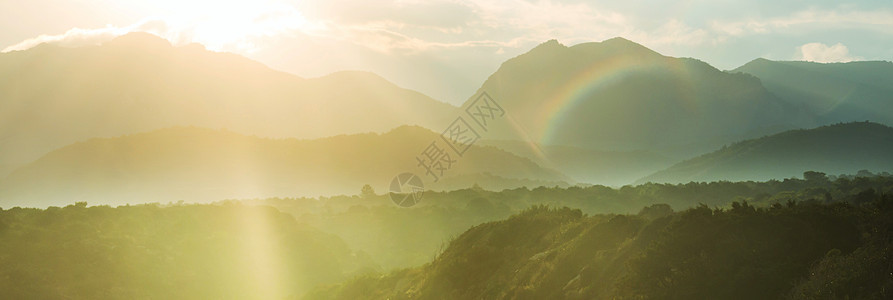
793 244
379 228
867 272
656 211
714 254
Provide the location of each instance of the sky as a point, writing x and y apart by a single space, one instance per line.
447 48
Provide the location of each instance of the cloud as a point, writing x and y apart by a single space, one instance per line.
79 37
673 32
231 27
880 20
75 37
419 14
467 39
412 26
818 52
401 26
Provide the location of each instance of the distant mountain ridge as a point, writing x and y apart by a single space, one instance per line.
835 149
610 168
833 92
619 95
604 112
203 165
53 96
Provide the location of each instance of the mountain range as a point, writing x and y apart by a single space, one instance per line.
619 95
832 92
204 165
138 119
54 96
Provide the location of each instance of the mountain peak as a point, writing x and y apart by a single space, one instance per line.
619 40
549 46
622 45
551 43
139 39
614 46
758 63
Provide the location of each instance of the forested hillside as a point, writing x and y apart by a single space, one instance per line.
166 252
820 248
577 242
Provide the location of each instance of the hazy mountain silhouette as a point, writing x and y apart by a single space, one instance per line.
195 164
53 96
834 92
606 113
612 168
836 149
619 95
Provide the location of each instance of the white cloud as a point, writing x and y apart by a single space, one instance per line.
230 27
880 20
818 52
79 37
75 37
397 26
673 32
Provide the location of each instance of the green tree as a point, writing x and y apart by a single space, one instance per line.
367 192
814 177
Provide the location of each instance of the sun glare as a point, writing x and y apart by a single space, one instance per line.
229 25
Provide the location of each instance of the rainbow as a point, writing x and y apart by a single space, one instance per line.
589 80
